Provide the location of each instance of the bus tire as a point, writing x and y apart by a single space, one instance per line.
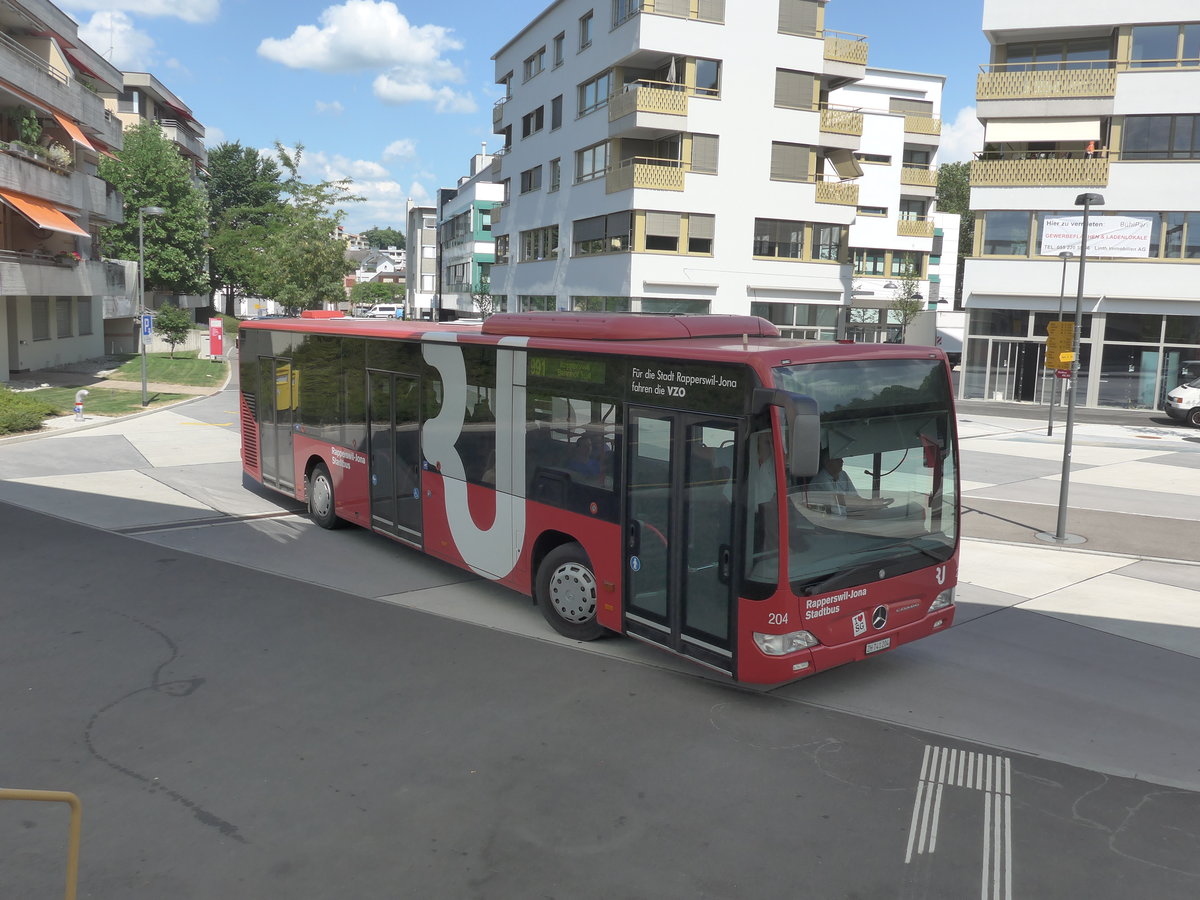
567 593
321 503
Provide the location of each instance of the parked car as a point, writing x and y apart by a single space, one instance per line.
385 311
1183 403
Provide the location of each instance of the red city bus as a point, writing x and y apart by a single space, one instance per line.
766 507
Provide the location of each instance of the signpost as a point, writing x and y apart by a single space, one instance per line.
1059 342
147 328
216 338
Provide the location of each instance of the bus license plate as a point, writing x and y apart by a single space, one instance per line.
876 646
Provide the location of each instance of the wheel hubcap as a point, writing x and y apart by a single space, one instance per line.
322 496
573 593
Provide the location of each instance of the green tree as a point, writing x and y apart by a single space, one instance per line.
172 324
382 238
149 171
954 196
305 263
907 302
244 197
482 299
368 293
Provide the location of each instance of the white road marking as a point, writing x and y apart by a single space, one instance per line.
989 774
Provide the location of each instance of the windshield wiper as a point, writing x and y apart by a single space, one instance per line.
868 571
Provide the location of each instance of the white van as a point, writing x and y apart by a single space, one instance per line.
1183 403
385 311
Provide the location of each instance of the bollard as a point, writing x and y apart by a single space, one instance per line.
79 395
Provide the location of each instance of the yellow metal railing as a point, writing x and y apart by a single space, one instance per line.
920 228
922 125
1003 82
842 121
1038 172
845 47
918 177
649 97
646 173
840 193
72 837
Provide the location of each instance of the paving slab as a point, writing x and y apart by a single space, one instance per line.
1029 571
110 500
97 453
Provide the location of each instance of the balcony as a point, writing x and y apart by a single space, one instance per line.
26 173
182 135
655 97
922 125
645 173
1042 170
919 176
25 274
846 47
841 121
28 72
498 115
838 193
1015 82
704 10
919 227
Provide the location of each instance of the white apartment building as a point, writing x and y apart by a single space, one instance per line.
468 248
678 156
55 290
896 238
1100 97
420 293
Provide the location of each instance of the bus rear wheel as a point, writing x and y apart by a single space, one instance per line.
320 498
567 593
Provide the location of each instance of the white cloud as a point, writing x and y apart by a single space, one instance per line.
374 34
401 150
419 194
334 167
960 138
113 36
334 108
213 136
188 10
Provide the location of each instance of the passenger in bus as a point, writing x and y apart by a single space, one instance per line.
584 460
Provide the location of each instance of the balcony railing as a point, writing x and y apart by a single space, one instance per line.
645 173
659 97
919 227
842 121
838 193
918 176
1020 81
19 49
841 46
1027 170
922 125
704 10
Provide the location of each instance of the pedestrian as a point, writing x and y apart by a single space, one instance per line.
1091 149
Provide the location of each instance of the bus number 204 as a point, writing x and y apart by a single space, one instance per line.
777 618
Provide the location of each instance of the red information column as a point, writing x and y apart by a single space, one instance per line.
216 338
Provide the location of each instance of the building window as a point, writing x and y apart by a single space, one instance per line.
625 9
876 159
601 304
41 318
558 49
801 17
531 180
556 112
501 250
585 30
701 228
535 63
1048 56
790 162
1161 137
827 242
907 264
485 220
537 303
539 243
794 90
913 209
531 123
591 162
916 159
1158 46
602 234
83 313
62 315
778 238
1006 233
555 175
1182 237
708 78
870 261
705 150
662 231
593 94
872 211
428 222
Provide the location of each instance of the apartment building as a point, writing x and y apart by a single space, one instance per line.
468 248
421 244
896 238
678 156
1086 97
54 289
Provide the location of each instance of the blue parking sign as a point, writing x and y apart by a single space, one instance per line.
147 327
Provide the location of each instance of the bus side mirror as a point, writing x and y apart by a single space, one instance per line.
804 448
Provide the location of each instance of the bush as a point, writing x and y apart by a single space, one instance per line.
19 412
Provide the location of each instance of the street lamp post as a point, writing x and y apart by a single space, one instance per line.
1064 255
1087 201
144 211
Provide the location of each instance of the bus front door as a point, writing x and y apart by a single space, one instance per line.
394 436
679 533
276 418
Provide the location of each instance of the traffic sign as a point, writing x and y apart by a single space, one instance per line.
1062 373
147 327
1060 340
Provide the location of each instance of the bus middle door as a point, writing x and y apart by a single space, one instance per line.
276 420
394 434
679 533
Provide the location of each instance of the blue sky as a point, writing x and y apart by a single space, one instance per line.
397 94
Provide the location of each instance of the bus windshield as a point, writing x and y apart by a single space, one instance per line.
886 493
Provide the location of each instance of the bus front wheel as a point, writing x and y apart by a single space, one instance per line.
567 593
320 498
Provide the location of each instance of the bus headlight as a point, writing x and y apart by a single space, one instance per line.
944 599
783 644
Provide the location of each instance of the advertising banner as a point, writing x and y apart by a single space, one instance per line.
1124 236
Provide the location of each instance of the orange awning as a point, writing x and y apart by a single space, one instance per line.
41 213
73 130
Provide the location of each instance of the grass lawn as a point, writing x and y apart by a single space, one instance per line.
102 401
185 368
